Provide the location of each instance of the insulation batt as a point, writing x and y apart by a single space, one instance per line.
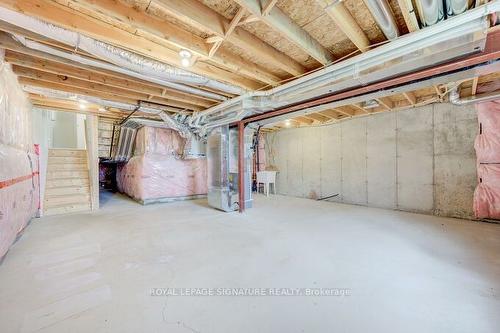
19 193
487 145
18 199
157 172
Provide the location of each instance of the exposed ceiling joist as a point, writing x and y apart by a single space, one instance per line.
109 76
98 87
345 111
266 9
232 25
474 86
304 120
409 16
410 97
344 20
75 90
317 117
359 108
250 19
203 17
330 114
73 107
166 32
72 19
280 22
386 102
87 75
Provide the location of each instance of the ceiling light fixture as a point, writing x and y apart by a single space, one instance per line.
185 62
185 57
82 106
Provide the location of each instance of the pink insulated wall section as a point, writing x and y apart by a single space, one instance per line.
19 181
487 145
157 173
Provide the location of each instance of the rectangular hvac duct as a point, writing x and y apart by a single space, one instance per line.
222 167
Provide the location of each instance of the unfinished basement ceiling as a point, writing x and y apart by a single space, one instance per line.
230 44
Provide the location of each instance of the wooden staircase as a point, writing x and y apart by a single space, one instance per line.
67 189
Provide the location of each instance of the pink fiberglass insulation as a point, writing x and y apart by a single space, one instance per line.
487 145
157 172
19 193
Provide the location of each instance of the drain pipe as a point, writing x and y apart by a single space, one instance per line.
455 99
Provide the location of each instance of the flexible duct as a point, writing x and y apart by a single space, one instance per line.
430 11
384 17
118 56
455 99
104 65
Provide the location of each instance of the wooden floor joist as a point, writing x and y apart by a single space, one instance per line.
72 19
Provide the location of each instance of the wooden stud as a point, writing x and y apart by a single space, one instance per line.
304 120
410 97
250 19
409 16
386 102
330 114
474 85
234 23
92 143
316 116
268 7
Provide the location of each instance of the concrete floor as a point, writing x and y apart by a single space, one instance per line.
406 272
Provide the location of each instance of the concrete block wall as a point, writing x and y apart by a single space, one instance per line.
418 160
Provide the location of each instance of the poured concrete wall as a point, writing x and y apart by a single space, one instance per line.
419 160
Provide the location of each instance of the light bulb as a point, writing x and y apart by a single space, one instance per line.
185 62
185 54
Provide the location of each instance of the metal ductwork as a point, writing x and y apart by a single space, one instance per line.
456 37
455 7
455 99
125 147
384 17
430 11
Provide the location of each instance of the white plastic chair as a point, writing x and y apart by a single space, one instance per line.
267 178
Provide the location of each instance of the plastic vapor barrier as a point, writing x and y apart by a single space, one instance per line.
156 172
19 181
487 145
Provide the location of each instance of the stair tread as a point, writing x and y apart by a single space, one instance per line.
86 195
